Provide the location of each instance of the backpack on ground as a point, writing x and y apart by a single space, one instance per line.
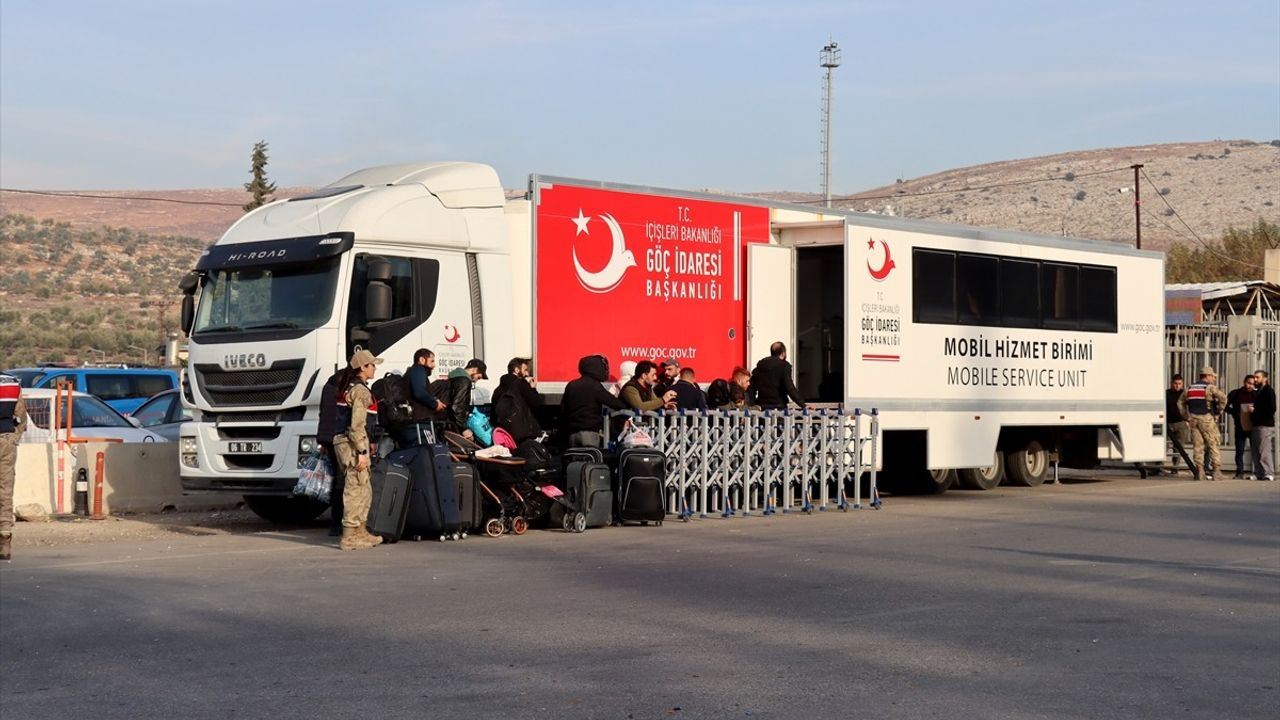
393 394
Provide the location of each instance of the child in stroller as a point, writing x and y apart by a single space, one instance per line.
515 495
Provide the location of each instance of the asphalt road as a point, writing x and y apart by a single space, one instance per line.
1122 598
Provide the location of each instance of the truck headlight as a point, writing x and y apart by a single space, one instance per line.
189 446
189 453
307 444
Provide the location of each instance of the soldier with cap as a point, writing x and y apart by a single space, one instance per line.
13 422
1202 404
351 445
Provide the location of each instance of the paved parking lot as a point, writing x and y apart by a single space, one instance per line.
1104 597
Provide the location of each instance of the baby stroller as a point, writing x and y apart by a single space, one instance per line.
516 495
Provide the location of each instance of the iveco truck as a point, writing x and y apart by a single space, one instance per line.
990 354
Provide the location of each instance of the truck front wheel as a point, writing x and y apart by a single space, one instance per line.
285 509
1028 466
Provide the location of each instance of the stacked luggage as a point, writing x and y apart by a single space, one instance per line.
421 493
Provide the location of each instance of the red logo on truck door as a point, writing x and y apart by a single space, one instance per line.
635 276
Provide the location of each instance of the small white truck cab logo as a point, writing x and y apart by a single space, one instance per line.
257 255
244 361
620 258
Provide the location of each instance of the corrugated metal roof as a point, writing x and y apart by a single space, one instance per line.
1228 288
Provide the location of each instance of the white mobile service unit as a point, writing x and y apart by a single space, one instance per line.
978 346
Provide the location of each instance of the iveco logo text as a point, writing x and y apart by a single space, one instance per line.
258 255
244 362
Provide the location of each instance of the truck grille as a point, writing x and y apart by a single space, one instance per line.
228 388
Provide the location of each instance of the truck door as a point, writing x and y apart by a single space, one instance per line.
771 292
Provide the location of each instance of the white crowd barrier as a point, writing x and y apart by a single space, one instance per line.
731 462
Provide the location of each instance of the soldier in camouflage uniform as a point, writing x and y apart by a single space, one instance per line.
13 422
351 444
1202 404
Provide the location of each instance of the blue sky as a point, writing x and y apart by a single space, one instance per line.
724 95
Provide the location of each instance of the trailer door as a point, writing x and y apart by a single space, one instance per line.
771 292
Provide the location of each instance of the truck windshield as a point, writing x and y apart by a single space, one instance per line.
268 297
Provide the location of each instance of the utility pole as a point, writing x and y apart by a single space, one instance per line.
1137 205
830 59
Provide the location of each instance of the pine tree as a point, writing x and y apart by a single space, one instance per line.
259 186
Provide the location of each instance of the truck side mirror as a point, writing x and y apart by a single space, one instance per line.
188 312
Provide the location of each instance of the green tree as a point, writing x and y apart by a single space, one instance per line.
259 186
1237 256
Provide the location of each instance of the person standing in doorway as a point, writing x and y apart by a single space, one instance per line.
1202 404
1240 407
13 422
771 381
1264 426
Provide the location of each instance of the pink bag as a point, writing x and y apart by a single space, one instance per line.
503 438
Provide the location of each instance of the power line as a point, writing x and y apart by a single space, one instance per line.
1194 234
971 188
119 197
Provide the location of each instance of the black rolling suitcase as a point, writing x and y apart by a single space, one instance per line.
589 489
470 506
642 477
391 483
433 503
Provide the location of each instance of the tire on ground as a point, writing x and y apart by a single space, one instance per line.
1028 466
285 509
986 478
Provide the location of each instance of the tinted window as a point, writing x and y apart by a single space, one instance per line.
934 286
1059 301
976 290
1019 293
110 387
1098 298
148 385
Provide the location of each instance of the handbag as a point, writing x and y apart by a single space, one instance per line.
315 478
635 436
478 423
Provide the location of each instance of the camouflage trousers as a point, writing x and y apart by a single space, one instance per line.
357 496
8 473
1204 434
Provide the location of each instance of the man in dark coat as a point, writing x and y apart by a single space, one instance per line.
584 400
514 401
1264 427
688 395
771 382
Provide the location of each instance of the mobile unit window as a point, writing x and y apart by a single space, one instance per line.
934 286
109 387
1059 296
148 385
1098 298
976 290
1019 293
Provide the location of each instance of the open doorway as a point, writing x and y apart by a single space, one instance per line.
819 351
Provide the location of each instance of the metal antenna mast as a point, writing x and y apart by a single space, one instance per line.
830 59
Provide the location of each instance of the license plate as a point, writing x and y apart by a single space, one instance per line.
244 447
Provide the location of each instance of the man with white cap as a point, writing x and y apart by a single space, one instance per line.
1202 404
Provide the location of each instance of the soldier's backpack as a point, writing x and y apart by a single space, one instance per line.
393 394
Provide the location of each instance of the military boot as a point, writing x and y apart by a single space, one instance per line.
6 546
373 540
352 540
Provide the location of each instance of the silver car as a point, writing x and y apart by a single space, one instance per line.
162 414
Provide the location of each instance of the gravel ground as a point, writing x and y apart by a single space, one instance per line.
74 530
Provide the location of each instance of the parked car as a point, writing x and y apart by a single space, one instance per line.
90 418
122 388
162 414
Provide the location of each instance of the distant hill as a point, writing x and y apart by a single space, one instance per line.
102 272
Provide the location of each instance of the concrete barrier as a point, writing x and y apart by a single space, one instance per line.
138 477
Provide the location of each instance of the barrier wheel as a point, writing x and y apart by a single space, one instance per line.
579 522
519 525
493 528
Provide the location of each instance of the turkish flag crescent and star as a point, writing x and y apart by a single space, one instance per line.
641 277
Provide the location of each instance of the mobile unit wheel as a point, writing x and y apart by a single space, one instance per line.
579 522
519 525
986 478
1027 466
493 528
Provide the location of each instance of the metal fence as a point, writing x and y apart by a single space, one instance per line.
743 462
